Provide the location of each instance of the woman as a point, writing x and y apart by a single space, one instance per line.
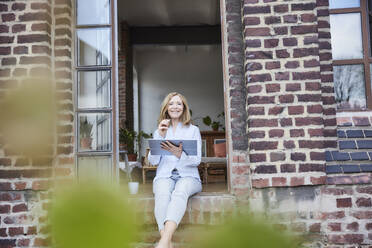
177 176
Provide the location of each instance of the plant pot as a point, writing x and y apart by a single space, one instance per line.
133 187
220 149
132 157
85 143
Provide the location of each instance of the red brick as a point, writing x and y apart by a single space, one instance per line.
253 66
263 145
18 6
265 169
261 99
8 17
290 18
32 38
305 75
286 98
4 209
334 227
249 21
318 180
315 228
256 111
23 243
295 110
285 122
251 32
272 88
270 43
315 109
272 20
248 10
297 181
254 88
362 214
364 202
308 167
282 53
281 76
35 16
281 8
272 65
253 43
9 61
281 30
263 123
317 156
364 190
241 169
20 185
311 63
332 215
343 202
306 121
289 144
4 29
298 156
277 156
292 64
304 29
6 39
20 50
256 134
354 226
279 181
260 183
264 77
276 110
297 133
19 208
309 98
257 157
312 86
276 133
14 231
316 132
4 50
361 121
308 18
285 168
290 42
16 28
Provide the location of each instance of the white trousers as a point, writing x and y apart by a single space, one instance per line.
171 196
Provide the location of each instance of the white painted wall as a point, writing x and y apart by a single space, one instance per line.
194 71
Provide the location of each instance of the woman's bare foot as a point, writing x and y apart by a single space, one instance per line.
164 244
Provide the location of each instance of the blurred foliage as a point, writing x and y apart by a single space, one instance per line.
28 118
245 231
92 216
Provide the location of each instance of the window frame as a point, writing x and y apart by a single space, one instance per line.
366 61
112 110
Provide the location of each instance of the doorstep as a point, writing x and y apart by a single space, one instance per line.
203 208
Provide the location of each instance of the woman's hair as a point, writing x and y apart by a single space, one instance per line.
185 117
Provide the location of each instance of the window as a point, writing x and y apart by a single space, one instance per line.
95 106
350 21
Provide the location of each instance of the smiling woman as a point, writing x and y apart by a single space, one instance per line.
177 177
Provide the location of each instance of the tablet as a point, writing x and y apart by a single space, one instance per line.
189 146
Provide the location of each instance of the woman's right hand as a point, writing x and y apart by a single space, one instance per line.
163 127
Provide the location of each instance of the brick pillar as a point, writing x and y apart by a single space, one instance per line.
125 68
35 41
286 120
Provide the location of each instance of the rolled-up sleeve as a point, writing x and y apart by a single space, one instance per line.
155 159
188 160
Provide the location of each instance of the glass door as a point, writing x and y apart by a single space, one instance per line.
95 71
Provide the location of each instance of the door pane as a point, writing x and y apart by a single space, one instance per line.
94 89
94 167
94 46
93 12
349 86
346 36
94 132
337 4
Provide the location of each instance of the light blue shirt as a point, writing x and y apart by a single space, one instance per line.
186 165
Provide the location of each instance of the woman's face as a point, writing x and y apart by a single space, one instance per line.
175 107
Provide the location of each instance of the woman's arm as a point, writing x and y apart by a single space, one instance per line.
155 159
187 160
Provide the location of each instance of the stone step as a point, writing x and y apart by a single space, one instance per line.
202 209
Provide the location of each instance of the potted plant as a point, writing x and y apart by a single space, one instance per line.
215 124
130 138
85 134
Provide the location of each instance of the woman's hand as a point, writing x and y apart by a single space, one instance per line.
176 150
163 127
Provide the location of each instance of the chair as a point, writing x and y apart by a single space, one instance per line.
146 166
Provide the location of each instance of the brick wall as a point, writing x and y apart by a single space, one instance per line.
35 40
290 118
125 68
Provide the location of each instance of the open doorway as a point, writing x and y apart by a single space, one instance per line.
168 46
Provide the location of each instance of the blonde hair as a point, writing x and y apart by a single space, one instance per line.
185 117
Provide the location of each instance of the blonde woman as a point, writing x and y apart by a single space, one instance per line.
177 177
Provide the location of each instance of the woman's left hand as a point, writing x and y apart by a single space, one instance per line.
176 150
